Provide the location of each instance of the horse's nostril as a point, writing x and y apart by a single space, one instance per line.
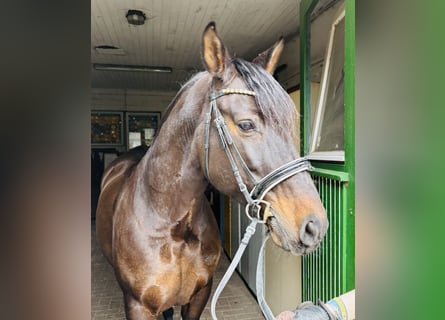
310 231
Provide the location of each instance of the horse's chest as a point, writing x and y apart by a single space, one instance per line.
186 271
189 263
166 269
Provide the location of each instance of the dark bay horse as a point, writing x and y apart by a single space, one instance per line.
154 224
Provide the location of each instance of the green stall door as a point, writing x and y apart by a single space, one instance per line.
329 143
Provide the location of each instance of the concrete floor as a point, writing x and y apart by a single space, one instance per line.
235 303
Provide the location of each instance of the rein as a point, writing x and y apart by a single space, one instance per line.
257 209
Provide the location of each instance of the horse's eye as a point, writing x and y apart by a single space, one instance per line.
246 125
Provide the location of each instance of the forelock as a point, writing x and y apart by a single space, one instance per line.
273 102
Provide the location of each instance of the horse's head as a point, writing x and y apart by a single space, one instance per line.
260 117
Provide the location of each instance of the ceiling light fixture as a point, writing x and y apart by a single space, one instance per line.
135 17
124 67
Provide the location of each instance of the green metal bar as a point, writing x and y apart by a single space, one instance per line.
306 7
329 165
331 174
350 142
349 94
324 271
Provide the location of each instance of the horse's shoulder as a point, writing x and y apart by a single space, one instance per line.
122 166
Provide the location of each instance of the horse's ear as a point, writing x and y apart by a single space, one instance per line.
269 58
213 51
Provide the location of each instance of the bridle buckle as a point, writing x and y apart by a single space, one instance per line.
259 209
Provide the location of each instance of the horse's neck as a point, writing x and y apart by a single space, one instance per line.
172 175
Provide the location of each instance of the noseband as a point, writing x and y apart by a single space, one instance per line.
256 206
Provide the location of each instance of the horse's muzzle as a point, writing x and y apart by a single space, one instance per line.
312 231
306 240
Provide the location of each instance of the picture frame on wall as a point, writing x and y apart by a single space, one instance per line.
107 128
141 128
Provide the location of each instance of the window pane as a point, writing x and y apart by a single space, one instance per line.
331 134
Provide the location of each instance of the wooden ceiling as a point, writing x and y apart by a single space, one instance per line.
171 36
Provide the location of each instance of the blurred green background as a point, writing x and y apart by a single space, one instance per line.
400 154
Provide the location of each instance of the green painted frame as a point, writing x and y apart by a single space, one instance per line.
344 172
